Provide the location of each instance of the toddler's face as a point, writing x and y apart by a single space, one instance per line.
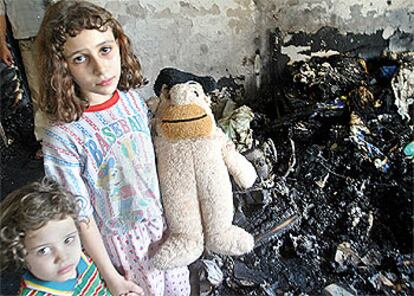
54 250
94 61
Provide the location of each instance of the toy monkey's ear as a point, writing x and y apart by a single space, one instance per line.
153 103
207 98
165 93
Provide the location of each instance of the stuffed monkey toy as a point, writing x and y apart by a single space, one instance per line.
194 160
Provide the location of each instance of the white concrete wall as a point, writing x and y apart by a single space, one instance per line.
220 37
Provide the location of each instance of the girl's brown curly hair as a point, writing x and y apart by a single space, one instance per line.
27 209
59 95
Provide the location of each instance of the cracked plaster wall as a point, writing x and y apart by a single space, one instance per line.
220 37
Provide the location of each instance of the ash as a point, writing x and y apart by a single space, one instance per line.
332 212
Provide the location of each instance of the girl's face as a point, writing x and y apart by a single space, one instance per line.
53 251
94 61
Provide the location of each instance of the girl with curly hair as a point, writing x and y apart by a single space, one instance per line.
39 234
98 144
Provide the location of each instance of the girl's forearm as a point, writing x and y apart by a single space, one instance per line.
3 27
95 248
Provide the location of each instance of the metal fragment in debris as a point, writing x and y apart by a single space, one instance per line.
267 289
336 290
292 161
379 280
370 221
321 183
210 276
276 231
247 276
205 274
213 272
344 255
372 258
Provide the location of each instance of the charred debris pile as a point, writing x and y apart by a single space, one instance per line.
18 145
332 212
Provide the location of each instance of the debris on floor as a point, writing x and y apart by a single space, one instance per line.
17 141
332 209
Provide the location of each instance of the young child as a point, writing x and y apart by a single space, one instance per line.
99 145
39 233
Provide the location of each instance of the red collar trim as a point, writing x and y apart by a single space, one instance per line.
105 105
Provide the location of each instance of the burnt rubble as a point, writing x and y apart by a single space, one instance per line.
332 212
18 144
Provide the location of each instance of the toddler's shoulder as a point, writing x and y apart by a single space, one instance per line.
26 291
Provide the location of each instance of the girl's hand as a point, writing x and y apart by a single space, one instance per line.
131 293
5 54
94 246
119 286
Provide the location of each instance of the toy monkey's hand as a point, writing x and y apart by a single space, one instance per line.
239 167
246 175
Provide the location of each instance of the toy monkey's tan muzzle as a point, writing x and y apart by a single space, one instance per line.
185 122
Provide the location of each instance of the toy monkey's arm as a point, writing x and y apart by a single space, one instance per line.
238 166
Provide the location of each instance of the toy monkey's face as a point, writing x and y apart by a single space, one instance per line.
184 112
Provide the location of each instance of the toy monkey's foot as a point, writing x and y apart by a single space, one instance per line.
178 251
233 241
